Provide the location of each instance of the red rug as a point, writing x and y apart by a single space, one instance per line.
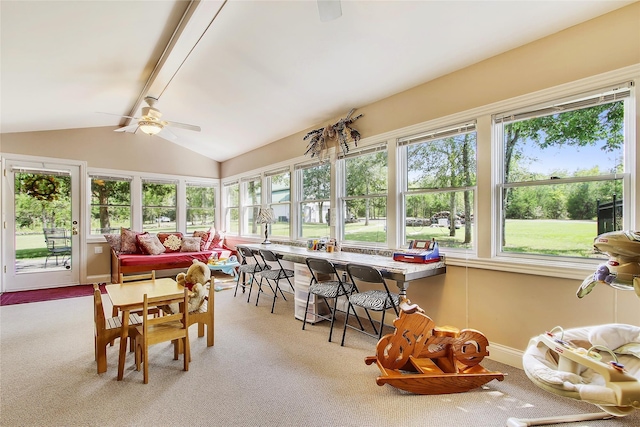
23 297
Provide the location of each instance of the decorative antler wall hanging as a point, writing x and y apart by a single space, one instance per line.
340 133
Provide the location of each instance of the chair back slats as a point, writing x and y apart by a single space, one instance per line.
171 327
98 310
137 277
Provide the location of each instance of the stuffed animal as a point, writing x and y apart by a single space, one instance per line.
197 279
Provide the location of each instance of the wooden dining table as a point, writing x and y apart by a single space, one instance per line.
129 296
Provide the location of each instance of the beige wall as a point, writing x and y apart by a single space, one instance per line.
507 307
103 148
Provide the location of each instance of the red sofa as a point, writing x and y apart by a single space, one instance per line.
137 263
136 252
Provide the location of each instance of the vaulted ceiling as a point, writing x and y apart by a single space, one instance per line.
247 72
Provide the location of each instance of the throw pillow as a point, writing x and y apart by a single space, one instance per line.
204 239
150 244
190 244
114 242
171 241
128 241
217 240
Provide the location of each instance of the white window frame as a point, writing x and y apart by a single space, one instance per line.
628 176
449 130
268 193
342 197
245 205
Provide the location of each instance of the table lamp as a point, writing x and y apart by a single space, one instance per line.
266 216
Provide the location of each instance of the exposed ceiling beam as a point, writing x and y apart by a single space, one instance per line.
195 22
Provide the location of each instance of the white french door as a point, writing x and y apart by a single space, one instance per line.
41 227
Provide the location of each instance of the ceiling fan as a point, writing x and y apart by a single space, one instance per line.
150 122
329 10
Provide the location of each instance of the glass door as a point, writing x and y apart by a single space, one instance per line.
42 225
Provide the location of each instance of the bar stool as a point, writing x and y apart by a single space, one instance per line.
380 299
326 284
273 275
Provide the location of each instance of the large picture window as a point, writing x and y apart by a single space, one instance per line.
314 207
364 201
232 207
563 172
439 185
279 184
251 202
159 205
110 204
201 206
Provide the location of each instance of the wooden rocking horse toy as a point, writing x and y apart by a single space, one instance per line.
424 359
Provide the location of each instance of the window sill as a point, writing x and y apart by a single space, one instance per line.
578 269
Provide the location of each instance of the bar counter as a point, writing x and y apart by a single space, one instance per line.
401 272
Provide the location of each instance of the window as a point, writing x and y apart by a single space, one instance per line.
158 206
364 200
563 174
110 204
279 185
439 185
314 203
232 206
201 206
251 202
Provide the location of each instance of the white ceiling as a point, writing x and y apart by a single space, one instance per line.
247 72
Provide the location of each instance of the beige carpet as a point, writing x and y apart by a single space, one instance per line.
263 371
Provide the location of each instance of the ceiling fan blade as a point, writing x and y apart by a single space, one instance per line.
130 128
119 115
167 134
329 10
183 126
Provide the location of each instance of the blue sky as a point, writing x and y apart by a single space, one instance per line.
570 158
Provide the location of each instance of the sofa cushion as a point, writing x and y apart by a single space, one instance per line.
165 260
190 244
171 241
114 242
128 241
217 240
149 244
204 239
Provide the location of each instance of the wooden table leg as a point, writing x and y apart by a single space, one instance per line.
123 344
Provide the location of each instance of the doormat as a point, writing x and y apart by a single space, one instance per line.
39 295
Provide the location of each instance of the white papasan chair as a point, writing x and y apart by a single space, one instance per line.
596 364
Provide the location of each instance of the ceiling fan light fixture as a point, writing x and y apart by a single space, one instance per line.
150 127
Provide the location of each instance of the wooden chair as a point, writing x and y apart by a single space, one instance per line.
107 330
170 327
204 317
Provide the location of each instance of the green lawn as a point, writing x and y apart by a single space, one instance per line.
546 237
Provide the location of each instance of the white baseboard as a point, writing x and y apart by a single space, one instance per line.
507 355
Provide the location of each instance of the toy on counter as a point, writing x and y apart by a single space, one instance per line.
419 251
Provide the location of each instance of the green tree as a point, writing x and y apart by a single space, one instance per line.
366 174
316 182
598 125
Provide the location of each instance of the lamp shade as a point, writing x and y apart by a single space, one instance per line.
150 127
266 216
